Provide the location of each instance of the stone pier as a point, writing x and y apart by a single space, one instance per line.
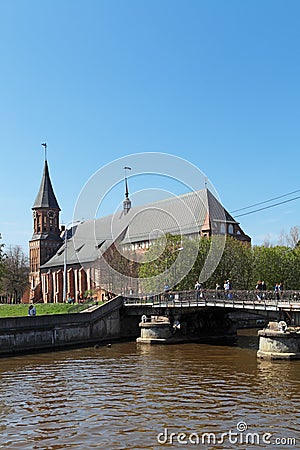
277 342
204 326
156 331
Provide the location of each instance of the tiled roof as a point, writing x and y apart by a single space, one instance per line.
182 215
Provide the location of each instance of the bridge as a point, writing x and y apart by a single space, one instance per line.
254 301
211 313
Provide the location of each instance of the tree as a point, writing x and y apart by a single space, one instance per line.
293 238
182 270
240 263
275 265
16 271
158 266
235 264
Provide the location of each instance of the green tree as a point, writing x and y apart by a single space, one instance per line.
240 263
235 264
157 266
277 264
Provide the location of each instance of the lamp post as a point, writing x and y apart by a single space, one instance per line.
65 259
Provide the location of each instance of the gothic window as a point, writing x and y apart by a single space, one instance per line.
230 229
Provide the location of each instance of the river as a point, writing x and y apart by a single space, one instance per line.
131 396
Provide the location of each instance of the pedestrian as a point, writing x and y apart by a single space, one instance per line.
166 291
259 286
227 288
31 310
198 289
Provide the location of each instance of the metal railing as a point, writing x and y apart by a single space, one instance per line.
234 298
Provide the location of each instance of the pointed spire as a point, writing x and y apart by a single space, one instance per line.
46 197
126 202
126 189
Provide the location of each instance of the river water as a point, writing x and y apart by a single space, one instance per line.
131 396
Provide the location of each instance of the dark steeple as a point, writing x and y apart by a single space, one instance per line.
46 197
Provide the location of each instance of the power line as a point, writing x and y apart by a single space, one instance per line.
266 207
266 201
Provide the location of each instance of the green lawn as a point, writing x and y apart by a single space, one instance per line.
42 309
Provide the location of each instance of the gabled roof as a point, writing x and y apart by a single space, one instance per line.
46 197
183 214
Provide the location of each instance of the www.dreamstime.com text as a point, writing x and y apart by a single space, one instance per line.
239 436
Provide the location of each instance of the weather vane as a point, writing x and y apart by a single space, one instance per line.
45 148
126 168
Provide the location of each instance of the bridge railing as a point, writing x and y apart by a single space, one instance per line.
216 297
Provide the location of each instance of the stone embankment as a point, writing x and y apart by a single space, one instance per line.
60 331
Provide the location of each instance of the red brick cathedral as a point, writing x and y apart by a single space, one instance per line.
56 269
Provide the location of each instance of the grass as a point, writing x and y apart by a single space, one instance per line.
42 309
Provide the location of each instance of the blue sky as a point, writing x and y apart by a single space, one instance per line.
214 82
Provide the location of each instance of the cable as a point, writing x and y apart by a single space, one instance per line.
266 207
266 201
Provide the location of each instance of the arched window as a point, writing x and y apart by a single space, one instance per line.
222 228
230 229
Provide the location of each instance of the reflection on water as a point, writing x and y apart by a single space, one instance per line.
122 397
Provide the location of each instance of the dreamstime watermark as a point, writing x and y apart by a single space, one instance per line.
158 208
238 436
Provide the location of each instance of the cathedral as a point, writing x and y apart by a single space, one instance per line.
69 263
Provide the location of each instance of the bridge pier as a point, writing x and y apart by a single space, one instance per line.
157 331
208 326
278 342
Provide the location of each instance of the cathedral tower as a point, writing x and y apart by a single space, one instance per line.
46 238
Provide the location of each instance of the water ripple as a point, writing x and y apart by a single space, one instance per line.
122 397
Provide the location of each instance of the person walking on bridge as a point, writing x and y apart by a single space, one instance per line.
227 288
198 289
277 291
